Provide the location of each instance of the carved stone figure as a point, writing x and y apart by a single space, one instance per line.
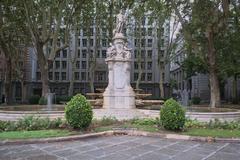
121 20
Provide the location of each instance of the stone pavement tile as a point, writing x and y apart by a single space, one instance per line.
116 156
96 153
65 153
80 157
212 146
23 154
168 151
232 148
132 152
147 140
42 157
131 144
102 144
162 143
21 148
85 148
147 147
224 156
179 147
115 148
55 147
201 150
152 156
188 156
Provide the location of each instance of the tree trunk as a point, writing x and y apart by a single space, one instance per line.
234 90
139 76
70 89
213 78
8 82
161 82
23 87
43 65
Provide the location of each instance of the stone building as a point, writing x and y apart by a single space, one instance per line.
60 72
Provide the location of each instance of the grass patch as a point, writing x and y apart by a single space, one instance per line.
205 132
34 134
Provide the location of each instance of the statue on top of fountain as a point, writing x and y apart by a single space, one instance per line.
118 49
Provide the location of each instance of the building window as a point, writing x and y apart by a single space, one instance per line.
104 42
64 64
143 42
78 64
104 53
84 41
64 76
149 54
50 75
101 76
79 42
98 53
136 42
149 65
149 31
57 76
142 54
91 42
104 32
64 53
79 53
143 77
135 65
38 76
83 76
161 53
91 31
76 75
149 42
149 76
135 76
143 65
135 54
57 54
57 64
143 21
84 64
84 53
143 31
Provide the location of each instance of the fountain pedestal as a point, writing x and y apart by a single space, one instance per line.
119 93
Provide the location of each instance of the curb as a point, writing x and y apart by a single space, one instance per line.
121 132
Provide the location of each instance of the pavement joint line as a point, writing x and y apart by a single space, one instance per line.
50 153
196 145
214 152
154 150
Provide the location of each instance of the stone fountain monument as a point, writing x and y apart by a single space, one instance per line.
119 93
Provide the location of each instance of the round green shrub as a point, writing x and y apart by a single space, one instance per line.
42 101
78 112
34 99
196 100
172 115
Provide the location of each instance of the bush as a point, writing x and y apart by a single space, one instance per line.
172 115
62 98
34 99
42 101
196 100
145 121
78 112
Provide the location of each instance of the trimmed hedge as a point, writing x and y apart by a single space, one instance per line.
172 115
78 112
34 99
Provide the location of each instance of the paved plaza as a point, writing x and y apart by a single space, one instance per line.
122 148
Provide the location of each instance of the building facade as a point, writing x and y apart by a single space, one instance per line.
82 48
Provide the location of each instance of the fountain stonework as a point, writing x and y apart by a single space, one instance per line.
119 94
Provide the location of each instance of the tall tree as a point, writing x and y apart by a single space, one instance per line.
48 23
202 21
